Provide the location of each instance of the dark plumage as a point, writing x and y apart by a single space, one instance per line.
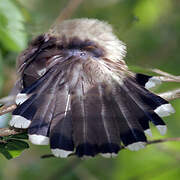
75 92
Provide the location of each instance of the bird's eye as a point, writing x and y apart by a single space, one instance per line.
82 54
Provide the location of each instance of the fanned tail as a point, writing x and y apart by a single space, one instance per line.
87 119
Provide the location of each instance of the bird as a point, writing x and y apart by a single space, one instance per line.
75 93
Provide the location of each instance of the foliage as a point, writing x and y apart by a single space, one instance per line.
11 26
12 38
12 146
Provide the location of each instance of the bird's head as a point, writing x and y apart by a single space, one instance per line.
89 34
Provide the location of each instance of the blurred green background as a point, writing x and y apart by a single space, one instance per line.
151 30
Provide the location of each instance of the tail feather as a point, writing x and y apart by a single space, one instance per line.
111 146
85 137
61 140
39 126
39 86
23 114
61 130
41 82
44 114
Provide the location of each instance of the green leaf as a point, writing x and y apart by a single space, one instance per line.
16 136
20 136
14 144
12 34
13 148
5 152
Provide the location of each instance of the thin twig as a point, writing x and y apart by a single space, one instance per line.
7 132
47 156
7 109
169 79
69 10
163 140
166 76
170 95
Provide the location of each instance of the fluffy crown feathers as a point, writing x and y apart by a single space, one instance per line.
98 31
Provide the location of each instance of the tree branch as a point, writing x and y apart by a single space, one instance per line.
166 77
170 95
7 131
69 10
158 71
163 140
7 109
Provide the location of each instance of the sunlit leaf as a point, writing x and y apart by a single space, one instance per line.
20 136
12 33
5 152
14 144
13 148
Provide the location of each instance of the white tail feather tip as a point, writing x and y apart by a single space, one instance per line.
136 146
148 132
162 129
19 122
108 155
154 81
38 139
164 110
21 98
61 153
